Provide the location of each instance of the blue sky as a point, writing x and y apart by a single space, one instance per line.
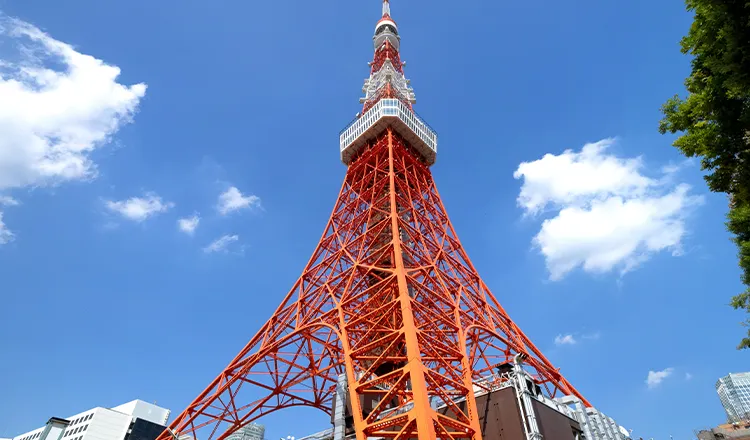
105 299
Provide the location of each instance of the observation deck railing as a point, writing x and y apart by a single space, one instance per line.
388 112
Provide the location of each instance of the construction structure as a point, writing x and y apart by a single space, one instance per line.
390 329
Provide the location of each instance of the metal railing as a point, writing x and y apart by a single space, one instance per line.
388 107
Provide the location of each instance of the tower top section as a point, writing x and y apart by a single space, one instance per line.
386 29
388 99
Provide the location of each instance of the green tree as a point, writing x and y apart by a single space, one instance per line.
714 119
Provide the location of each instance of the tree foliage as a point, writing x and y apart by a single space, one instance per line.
714 119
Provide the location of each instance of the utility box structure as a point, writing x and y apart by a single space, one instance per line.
500 418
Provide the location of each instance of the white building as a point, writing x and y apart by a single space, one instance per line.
251 431
136 420
734 393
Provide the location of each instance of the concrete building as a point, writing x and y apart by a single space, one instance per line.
251 431
734 393
136 420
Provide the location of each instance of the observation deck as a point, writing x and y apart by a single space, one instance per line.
403 121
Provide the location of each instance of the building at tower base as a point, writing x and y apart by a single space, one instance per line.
135 420
733 431
251 431
511 406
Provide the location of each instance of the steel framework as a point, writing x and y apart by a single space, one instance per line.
391 300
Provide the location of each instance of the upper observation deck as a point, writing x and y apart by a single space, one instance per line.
393 113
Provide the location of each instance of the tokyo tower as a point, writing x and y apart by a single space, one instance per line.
389 316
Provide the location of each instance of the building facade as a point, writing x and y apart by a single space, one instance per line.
734 393
251 431
136 420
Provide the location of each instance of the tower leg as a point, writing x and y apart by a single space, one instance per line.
423 413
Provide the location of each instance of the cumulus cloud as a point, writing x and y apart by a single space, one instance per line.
8 201
6 235
139 208
657 377
188 224
52 118
57 106
233 200
609 215
565 340
220 244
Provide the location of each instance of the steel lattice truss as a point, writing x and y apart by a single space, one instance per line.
390 298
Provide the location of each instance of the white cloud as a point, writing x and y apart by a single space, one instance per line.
188 224
608 214
220 244
565 340
139 208
57 105
593 336
233 200
52 118
8 201
5 235
656 377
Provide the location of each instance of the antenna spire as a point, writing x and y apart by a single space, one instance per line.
386 8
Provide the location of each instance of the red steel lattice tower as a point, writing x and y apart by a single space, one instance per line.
389 300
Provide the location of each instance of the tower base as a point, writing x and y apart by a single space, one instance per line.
513 409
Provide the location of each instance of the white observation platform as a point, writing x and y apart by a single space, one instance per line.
393 113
